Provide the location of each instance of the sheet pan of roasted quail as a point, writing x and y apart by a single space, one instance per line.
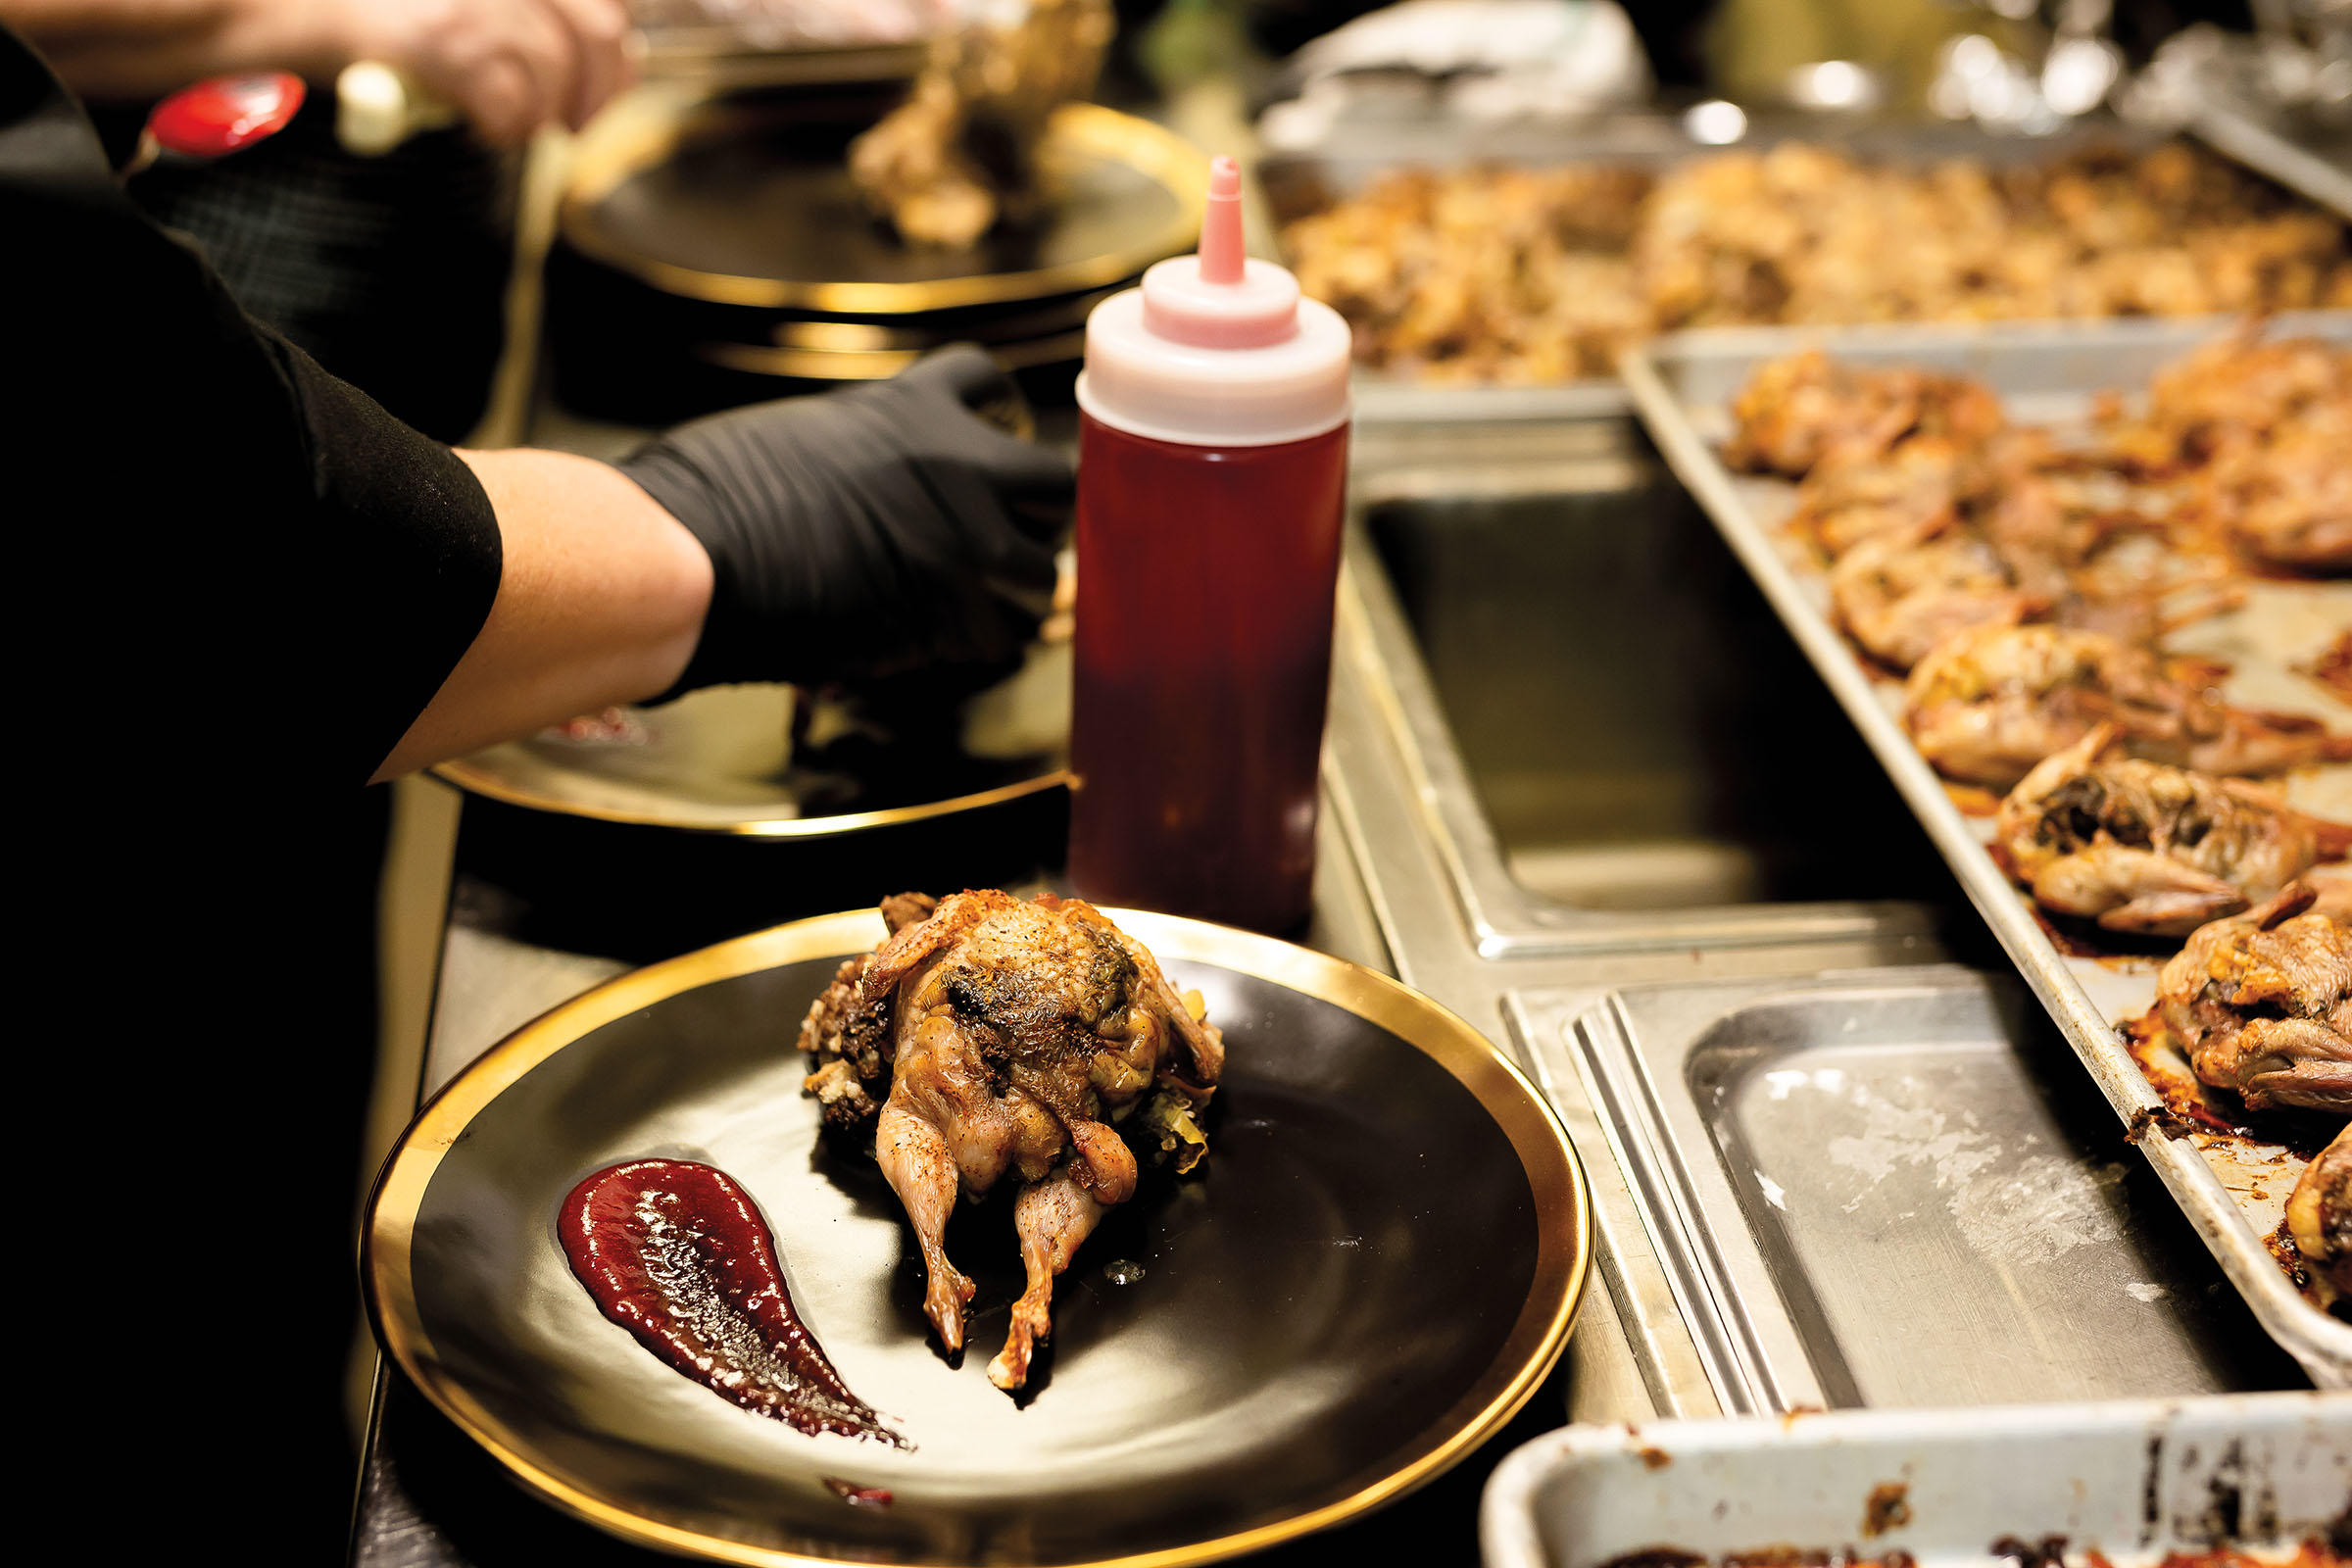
2087 593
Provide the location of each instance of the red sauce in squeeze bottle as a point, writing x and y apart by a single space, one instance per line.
1212 465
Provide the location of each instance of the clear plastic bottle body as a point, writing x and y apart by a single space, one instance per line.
1205 585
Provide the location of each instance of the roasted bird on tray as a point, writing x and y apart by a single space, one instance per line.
1810 412
2140 847
990 1035
1988 704
2259 431
2262 1002
2259 1006
2319 1219
2231 462
2023 584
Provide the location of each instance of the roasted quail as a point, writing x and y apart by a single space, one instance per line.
961 153
2318 1216
1809 411
1899 596
2145 848
2257 429
1989 703
1010 1036
2262 1002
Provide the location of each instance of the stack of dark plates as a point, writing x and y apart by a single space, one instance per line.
717 253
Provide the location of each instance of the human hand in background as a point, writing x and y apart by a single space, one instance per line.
508 65
866 532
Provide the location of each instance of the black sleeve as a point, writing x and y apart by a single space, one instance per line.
251 550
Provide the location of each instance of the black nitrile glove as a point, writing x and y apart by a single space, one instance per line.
866 532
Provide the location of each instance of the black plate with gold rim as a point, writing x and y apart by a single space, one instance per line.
1377 1264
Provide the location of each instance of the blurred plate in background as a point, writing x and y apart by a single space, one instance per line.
715 252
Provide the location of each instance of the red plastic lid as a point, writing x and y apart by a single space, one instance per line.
227 113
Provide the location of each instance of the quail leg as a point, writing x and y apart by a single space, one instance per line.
1052 1217
2286 1062
2134 890
915 1160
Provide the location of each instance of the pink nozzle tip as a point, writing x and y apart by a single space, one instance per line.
1220 299
1221 224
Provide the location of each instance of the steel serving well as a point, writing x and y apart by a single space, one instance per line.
1891 1187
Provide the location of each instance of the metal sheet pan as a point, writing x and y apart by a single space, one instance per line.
2044 373
2134 1479
2303 157
1892 1187
1299 179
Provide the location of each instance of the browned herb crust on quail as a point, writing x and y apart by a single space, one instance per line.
989 1035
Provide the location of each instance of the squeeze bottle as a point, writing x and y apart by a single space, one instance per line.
1212 465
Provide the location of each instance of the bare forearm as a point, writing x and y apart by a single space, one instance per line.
600 599
112 49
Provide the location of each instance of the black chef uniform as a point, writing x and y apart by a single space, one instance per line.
237 582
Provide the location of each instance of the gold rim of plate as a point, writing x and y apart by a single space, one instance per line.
879 364
476 776
604 163
1556 1177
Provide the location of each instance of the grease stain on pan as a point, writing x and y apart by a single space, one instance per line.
2028 1210
1889 1508
2043 1209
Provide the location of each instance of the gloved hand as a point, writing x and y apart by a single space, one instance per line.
865 531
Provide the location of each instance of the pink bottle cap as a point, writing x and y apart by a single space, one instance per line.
1216 349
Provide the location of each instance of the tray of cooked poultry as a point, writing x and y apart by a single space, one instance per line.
2083 593
1526 263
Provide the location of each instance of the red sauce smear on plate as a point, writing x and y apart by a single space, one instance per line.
676 1253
